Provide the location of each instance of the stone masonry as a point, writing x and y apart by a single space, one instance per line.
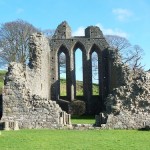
93 41
31 92
128 104
26 94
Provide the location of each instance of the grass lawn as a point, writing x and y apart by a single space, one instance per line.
75 140
83 119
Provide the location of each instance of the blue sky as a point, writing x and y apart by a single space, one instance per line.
128 18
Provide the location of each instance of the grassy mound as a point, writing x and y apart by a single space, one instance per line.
79 87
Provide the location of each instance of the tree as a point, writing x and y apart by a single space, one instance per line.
14 39
94 66
118 42
131 54
62 63
134 57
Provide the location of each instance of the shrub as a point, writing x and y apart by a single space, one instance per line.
77 107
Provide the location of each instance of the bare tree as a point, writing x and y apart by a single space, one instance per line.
94 58
130 54
134 58
118 42
14 38
62 63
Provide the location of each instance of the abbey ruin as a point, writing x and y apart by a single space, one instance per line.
31 94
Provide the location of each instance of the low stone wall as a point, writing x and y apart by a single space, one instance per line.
126 121
36 113
37 119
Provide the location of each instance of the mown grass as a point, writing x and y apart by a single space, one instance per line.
75 140
2 74
79 88
85 119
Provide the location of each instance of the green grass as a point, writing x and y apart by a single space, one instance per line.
79 87
63 87
2 74
83 119
75 140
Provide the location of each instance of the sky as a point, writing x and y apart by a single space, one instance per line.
127 18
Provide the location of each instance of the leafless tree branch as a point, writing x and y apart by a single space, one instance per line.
14 38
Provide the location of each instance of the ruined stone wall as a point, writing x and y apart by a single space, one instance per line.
128 105
38 72
92 41
148 77
63 31
27 91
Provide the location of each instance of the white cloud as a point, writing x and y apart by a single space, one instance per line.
106 31
109 31
79 32
19 10
122 14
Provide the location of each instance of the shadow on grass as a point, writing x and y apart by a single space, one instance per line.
147 128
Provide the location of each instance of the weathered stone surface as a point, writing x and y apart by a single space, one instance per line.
93 41
31 91
26 94
128 105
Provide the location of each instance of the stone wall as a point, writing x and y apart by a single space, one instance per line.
38 72
128 105
30 89
148 77
93 41
26 94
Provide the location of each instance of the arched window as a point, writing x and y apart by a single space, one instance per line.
62 74
95 73
79 72
96 66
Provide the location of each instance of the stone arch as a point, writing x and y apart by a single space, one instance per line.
96 48
96 101
93 40
63 49
80 45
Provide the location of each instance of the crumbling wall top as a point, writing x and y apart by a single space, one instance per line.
63 31
93 32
